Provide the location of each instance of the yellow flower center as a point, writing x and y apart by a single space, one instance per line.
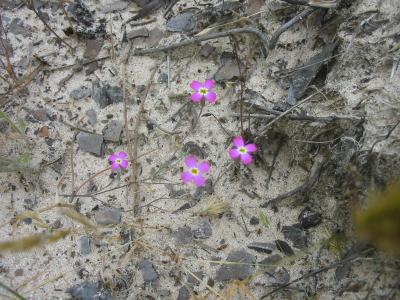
242 150
203 91
118 161
194 171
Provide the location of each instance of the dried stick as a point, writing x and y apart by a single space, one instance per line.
286 26
327 119
312 179
317 3
11 291
249 30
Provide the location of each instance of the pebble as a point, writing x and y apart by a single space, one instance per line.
17 27
80 93
194 149
112 131
206 50
84 242
281 276
92 116
284 247
183 294
262 247
142 32
89 142
207 189
89 291
202 230
163 78
114 6
183 235
106 95
269 264
92 48
229 69
148 272
296 235
183 22
254 221
309 218
236 271
107 216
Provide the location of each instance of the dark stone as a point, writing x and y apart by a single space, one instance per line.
229 70
254 221
309 218
19 28
155 35
115 6
236 271
112 131
85 245
40 115
296 235
92 48
92 143
80 93
19 272
142 32
92 116
183 22
269 264
90 291
281 276
183 235
107 216
262 247
183 294
183 207
284 247
106 95
202 230
90 68
148 272
207 189
194 149
206 50
163 78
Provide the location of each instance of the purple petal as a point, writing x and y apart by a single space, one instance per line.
196 85
124 164
251 147
211 97
112 157
196 97
246 158
115 166
122 154
209 84
191 161
204 167
234 153
186 177
238 141
199 180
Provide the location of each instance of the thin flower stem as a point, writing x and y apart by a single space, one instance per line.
90 178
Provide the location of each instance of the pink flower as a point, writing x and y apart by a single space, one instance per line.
195 172
203 91
241 150
118 160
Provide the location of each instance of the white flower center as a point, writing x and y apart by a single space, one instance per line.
118 161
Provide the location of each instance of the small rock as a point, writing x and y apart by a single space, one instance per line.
281 276
80 93
92 48
183 235
148 272
19 28
183 294
229 69
106 95
92 116
114 6
163 78
92 143
269 264
155 35
236 271
183 22
254 221
85 245
208 189
262 247
19 272
202 230
89 291
296 235
107 216
192 281
284 247
142 32
194 149
90 68
206 50
309 218
112 131
40 115
185 206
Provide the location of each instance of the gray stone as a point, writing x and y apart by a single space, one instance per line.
90 68
269 264
112 131
309 218
183 22
85 247
262 247
296 235
19 28
284 247
92 143
229 70
80 93
240 271
202 230
281 276
106 95
254 221
90 291
183 294
107 216
92 48
208 189
92 116
163 78
192 281
193 149
148 272
142 32
40 114
183 235
206 50
115 6
155 35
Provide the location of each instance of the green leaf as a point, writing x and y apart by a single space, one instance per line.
6 118
264 220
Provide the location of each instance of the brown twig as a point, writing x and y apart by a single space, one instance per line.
327 119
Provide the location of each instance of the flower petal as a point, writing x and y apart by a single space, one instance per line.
124 164
209 84
238 141
186 177
204 167
191 161
196 85
246 158
115 166
122 154
112 157
211 97
251 147
196 97
199 180
234 153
